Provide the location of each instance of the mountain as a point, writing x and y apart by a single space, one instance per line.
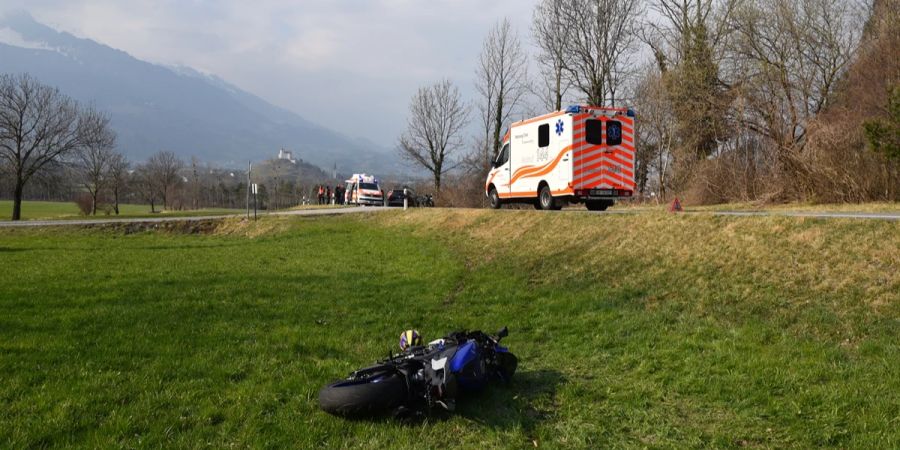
154 108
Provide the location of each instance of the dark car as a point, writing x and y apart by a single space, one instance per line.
396 196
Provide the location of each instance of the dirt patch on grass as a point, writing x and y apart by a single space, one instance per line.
252 228
206 226
216 227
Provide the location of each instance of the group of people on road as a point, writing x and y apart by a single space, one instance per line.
330 196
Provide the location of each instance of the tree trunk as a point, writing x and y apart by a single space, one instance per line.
498 123
17 201
94 203
559 89
116 200
596 97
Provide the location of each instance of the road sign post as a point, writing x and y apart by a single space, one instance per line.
255 198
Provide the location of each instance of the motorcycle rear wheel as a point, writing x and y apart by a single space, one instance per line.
375 394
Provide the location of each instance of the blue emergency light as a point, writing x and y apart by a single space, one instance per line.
574 109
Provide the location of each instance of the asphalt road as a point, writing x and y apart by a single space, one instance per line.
360 209
83 222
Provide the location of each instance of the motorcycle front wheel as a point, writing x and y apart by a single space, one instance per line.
374 394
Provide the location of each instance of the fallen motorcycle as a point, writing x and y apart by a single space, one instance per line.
422 377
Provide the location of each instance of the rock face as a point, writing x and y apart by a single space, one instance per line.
178 109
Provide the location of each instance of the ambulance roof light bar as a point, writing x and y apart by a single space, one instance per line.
578 109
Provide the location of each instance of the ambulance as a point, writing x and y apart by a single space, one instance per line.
362 189
583 154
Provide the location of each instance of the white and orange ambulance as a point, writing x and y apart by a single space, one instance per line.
362 189
583 154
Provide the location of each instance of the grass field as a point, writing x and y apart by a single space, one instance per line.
35 210
636 331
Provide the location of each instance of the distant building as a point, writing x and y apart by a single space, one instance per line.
286 155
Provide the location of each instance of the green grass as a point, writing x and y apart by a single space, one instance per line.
39 210
632 331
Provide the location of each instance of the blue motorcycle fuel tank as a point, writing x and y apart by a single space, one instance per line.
468 367
464 355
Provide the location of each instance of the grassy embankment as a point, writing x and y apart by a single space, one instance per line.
37 210
871 207
647 330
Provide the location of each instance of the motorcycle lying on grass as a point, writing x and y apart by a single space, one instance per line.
422 377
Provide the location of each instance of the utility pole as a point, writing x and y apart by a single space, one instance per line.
249 169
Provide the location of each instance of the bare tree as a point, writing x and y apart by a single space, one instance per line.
163 169
603 36
118 177
795 53
682 20
146 184
195 186
502 81
95 155
38 126
437 116
687 40
552 35
656 131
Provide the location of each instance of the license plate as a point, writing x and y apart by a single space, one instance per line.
603 192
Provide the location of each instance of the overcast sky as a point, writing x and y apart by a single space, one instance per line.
351 65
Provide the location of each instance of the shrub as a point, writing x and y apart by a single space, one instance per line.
84 203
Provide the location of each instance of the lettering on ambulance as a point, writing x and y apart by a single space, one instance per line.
541 170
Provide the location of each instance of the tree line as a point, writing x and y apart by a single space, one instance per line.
53 148
737 100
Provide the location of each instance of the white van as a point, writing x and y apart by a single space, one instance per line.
583 154
364 189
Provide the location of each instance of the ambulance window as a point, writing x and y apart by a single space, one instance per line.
594 132
613 132
503 157
544 135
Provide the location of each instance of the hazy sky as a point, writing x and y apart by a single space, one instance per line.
351 65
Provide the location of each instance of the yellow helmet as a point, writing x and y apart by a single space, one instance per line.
410 338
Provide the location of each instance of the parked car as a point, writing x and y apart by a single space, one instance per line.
395 197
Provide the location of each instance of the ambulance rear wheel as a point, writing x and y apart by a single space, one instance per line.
494 198
546 200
